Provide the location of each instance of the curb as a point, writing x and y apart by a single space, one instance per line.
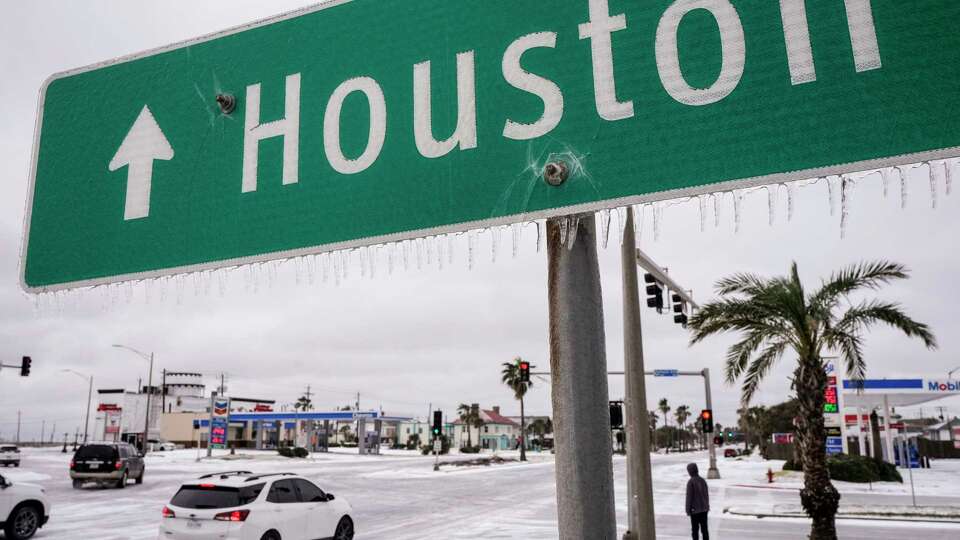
865 517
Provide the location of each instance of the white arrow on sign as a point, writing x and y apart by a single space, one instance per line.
144 144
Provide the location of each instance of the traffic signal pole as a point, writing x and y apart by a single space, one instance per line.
713 473
579 391
640 514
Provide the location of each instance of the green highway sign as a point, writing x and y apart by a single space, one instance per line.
360 122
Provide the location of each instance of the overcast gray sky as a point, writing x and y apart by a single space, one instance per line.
415 337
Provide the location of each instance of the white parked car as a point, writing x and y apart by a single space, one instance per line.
24 508
9 455
241 505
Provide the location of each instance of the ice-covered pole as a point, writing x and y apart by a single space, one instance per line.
578 364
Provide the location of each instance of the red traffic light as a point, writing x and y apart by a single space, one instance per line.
706 414
524 365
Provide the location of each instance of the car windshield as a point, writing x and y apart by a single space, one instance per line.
206 496
96 451
8 448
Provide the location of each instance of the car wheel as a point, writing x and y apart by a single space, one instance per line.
77 484
344 529
139 479
23 523
270 535
122 483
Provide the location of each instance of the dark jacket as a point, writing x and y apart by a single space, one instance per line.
698 496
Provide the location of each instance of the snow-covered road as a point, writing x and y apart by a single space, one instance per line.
399 496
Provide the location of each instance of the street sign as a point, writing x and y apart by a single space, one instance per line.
437 446
666 373
219 422
355 123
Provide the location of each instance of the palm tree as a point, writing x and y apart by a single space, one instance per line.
540 427
511 378
466 415
664 408
777 314
652 425
477 422
682 413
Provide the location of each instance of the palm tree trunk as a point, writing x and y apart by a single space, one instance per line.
523 434
818 496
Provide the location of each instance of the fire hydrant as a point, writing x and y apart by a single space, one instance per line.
769 476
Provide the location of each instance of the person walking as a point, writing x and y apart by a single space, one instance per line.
698 502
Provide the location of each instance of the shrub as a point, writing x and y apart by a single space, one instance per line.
470 450
885 471
285 451
852 469
792 465
300 452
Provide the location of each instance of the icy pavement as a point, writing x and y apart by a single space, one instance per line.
399 496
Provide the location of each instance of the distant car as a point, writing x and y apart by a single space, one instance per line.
106 463
240 505
24 508
730 452
166 447
9 455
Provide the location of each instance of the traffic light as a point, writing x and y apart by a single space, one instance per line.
437 423
654 293
679 309
718 440
25 366
706 420
616 415
524 367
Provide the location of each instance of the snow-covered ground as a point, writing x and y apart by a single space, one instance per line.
399 496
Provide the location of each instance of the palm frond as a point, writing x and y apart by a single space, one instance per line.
868 313
750 284
738 355
851 352
864 275
759 368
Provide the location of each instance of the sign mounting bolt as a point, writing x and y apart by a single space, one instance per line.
227 103
556 172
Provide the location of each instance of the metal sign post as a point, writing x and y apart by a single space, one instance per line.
579 392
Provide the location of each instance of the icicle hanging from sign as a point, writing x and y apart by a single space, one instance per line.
702 203
932 178
903 186
737 202
573 231
516 231
603 218
846 188
772 203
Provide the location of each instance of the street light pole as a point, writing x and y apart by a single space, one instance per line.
640 514
86 422
146 421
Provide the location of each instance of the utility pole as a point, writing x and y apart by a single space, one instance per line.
163 391
146 422
52 432
579 391
640 514
43 430
18 427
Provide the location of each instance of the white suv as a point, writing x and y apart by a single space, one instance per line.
24 508
240 505
9 455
